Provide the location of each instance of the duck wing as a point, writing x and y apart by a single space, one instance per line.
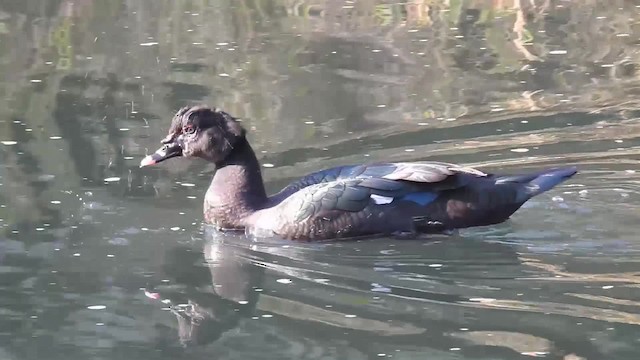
439 175
356 201
350 195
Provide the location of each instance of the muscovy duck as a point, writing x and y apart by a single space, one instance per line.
404 199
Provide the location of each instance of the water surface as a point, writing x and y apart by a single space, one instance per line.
102 260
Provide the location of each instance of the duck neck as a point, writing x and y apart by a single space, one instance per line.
237 189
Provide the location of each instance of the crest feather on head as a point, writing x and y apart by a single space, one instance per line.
216 132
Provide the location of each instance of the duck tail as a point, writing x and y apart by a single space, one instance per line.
548 179
534 184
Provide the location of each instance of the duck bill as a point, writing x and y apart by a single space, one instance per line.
167 151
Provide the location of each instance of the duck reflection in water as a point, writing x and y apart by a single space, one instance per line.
224 280
213 289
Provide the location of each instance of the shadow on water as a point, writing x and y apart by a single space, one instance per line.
88 88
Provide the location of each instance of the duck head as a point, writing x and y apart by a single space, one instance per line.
199 131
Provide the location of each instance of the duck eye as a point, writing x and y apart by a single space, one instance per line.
188 129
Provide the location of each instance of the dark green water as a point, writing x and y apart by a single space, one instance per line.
102 260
